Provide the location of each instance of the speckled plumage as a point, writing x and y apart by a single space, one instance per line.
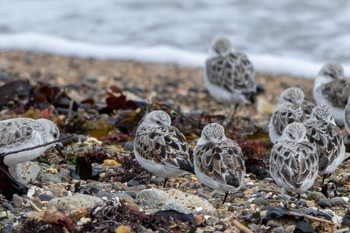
293 160
218 160
347 117
20 133
161 148
290 107
333 89
230 76
326 135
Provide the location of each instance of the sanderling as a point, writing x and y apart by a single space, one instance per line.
218 161
293 160
161 148
229 76
22 133
325 134
290 107
347 117
333 89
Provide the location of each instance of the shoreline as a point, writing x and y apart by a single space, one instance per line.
106 139
63 70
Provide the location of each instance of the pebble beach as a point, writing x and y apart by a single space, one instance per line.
99 186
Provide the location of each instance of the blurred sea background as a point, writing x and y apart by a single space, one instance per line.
286 36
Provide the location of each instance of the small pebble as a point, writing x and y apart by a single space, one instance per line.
103 194
324 203
254 227
183 184
310 203
133 183
45 177
131 193
141 187
260 201
279 229
129 146
125 197
17 200
195 185
7 206
158 180
94 189
64 174
217 195
45 197
204 195
338 201
238 194
315 196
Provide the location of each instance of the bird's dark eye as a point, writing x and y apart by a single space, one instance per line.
158 122
55 135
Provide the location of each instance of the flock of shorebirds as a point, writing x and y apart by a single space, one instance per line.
307 138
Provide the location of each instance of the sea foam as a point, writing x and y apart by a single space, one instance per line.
157 54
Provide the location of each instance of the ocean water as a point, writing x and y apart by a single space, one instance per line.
282 36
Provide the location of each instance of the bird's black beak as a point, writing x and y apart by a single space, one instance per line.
59 147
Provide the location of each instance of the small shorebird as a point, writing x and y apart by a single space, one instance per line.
161 148
21 133
229 76
293 160
218 160
326 135
333 89
290 107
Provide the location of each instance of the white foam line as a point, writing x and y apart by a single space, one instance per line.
158 54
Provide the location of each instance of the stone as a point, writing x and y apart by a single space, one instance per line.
64 174
129 146
123 229
73 203
279 229
132 183
46 177
94 189
7 206
25 172
174 199
106 195
324 203
315 196
131 193
45 197
310 203
125 197
205 196
17 200
260 201
338 201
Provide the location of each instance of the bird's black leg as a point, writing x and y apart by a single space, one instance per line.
165 180
226 194
59 148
